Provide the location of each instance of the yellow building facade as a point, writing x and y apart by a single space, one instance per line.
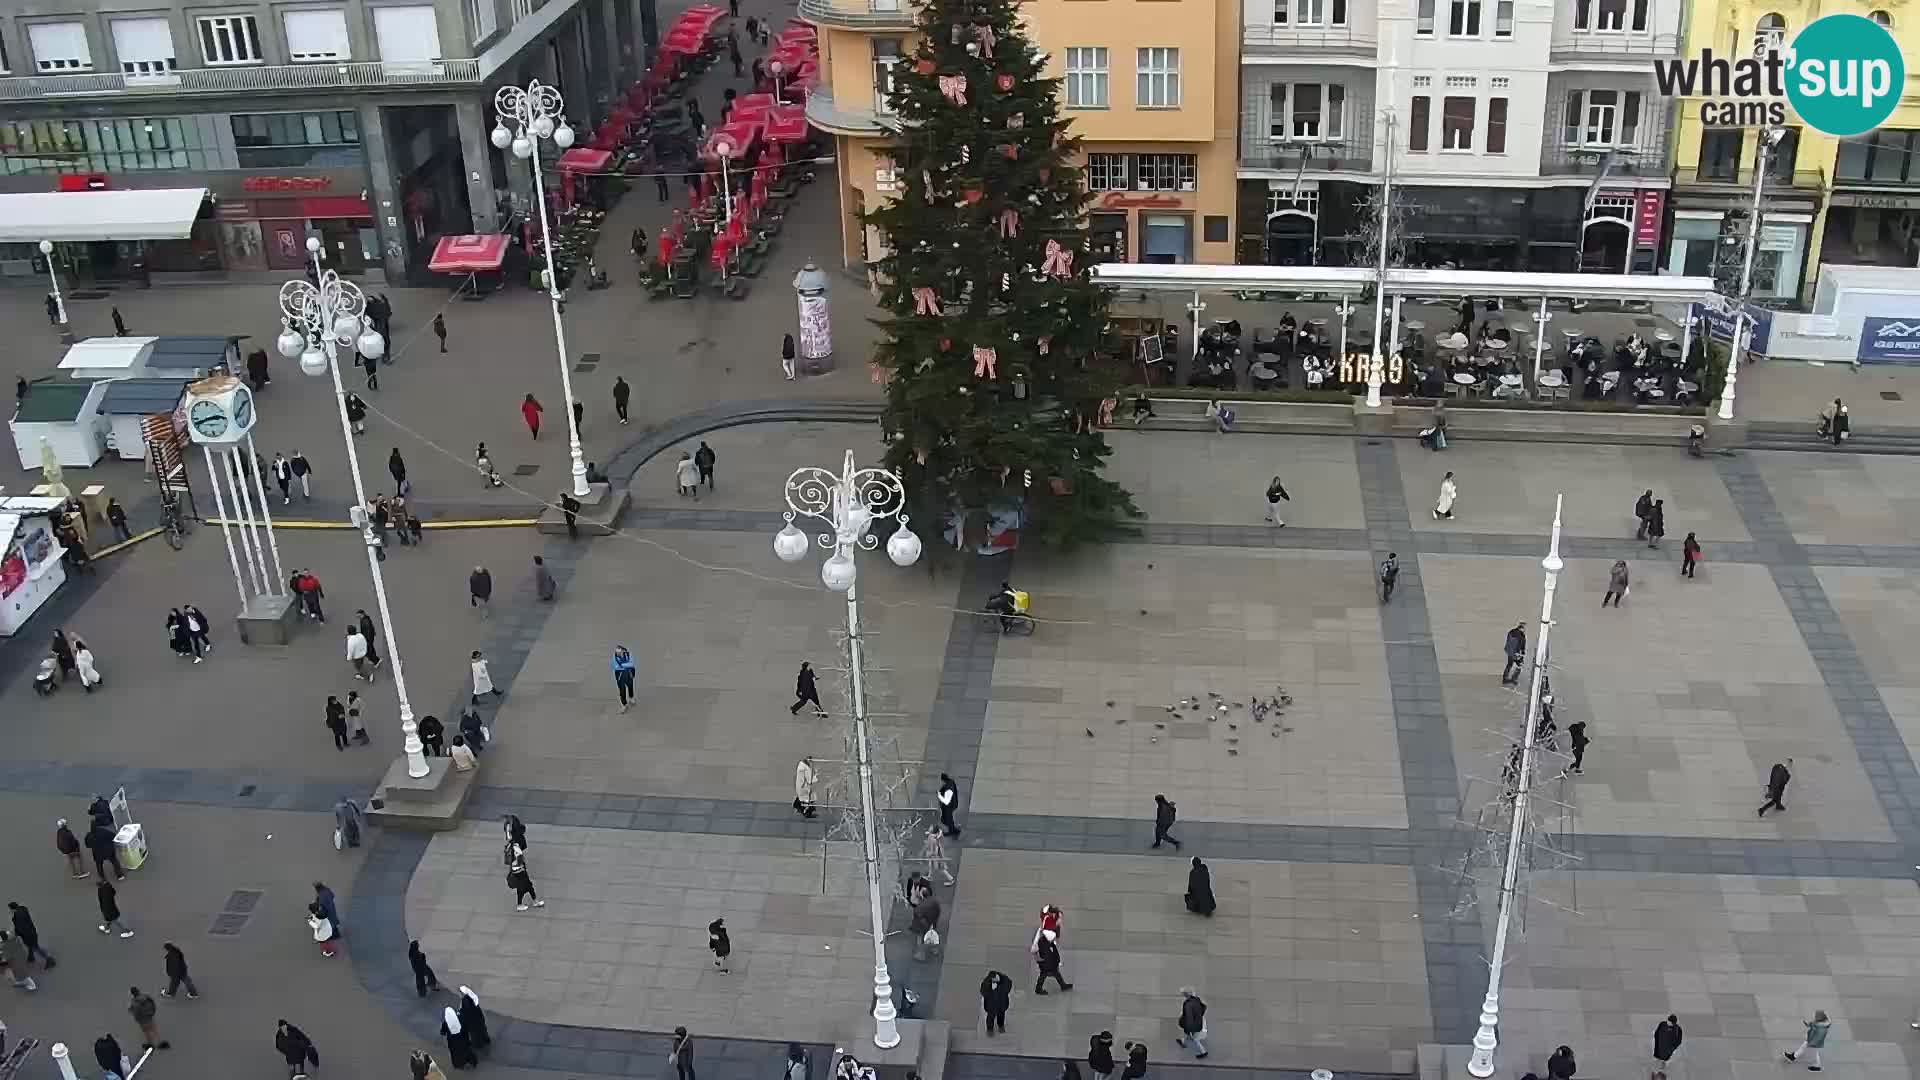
1150 86
1847 201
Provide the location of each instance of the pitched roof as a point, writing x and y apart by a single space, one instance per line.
52 402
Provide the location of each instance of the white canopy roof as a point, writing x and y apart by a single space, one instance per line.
60 216
1352 281
96 354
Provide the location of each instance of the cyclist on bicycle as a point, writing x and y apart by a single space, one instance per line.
1004 604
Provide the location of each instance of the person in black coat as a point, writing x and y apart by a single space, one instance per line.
1657 523
1136 1062
996 993
423 977
1100 1055
29 935
107 1054
433 735
1200 888
806 691
1046 956
1561 1065
295 1048
474 1020
1163 814
110 919
1666 1039
100 844
1777 786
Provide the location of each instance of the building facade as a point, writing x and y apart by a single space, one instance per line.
1524 134
364 122
1147 84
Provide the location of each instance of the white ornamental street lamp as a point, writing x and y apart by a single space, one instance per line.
535 114
723 147
59 302
849 503
318 321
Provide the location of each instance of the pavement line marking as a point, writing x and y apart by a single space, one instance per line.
128 542
474 523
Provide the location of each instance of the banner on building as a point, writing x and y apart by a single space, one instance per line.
1890 340
1720 326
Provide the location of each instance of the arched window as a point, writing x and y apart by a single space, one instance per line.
1882 18
1770 34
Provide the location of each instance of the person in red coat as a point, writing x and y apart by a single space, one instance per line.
530 411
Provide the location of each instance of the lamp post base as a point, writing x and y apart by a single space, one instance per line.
599 515
268 620
430 803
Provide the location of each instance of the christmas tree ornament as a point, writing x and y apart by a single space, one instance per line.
983 37
1026 477
954 88
1009 224
1006 282
946 344
1015 335
971 194
925 302
973 49
1045 174
1059 261
1045 344
983 361
1003 81
966 154
1009 150
1017 121
878 374
920 455
924 65
959 33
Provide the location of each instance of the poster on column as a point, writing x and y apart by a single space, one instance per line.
816 328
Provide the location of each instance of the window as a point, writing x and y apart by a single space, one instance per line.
93 146
4 66
1503 18
1422 80
1086 78
1280 9
1499 82
1613 15
297 140
1497 125
1882 18
523 8
1108 172
1720 153
1602 118
1770 34
315 34
482 20
1583 14
1781 160
60 46
143 46
1157 79
1462 82
886 54
408 34
1418 124
1165 172
1880 157
1423 18
1463 18
1307 112
1214 229
229 39
1456 123
1312 12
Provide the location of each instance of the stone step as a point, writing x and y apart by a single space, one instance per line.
431 803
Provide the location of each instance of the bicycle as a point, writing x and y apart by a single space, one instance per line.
174 524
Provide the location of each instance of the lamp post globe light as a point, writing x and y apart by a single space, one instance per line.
526 116
849 503
318 321
53 276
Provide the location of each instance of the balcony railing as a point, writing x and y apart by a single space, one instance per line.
372 75
1701 176
859 14
1287 157
1267 39
1612 46
824 113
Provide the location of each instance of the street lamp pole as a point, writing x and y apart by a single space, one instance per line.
1376 364
536 114
53 276
1487 1039
849 503
318 320
1765 139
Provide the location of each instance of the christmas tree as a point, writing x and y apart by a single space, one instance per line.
993 401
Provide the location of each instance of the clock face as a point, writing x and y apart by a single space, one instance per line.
208 419
243 410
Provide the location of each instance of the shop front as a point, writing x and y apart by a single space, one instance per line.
264 222
1710 231
1871 228
1154 207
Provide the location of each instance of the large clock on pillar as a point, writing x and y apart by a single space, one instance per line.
219 411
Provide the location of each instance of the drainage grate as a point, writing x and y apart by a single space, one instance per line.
240 907
525 470
588 361
243 901
1889 395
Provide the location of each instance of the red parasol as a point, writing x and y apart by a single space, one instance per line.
468 254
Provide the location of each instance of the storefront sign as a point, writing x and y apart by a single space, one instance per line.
1648 217
1890 340
1116 200
286 183
1869 201
1720 325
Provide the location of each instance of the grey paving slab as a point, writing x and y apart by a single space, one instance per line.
1202 476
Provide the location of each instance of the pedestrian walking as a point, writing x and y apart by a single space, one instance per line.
29 935
934 848
1777 778
302 470
117 517
803 782
119 324
1199 898
1193 1022
109 901
283 477
1815 1040
681 1056
482 677
357 655
474 1020
62 654
349 821
1666 1039
996 993
1164 813
1516 652
719 943
924 926
398 468
1689 555
14 961
440 329
1100 1055
703 459
1616 584
1657 523
355 725
1642 510
1389 575
53 310
111 1059
325 930
687 476
371 365
806 691
621 391
1577 740
948 796
69 845
530 411
516 833
295 1049
1046 957
328 904
421 1066
733 52
145 1011
521 882
786 349
570 514
1443 507
1276 491
480 590
460 1053
623 675
100 843
1136 1062
1561 1065
544 587
177 974
307 587
337 722
356 413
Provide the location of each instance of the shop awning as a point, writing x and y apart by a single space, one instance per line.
788 123
468 254
64 216
585 159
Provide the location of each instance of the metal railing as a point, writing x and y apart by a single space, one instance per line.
859 14
1346 40
1559 158
825 113
1613 45
1805 179
366 75
1284 157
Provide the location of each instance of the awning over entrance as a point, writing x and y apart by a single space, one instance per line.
468 254
66 216
1353 281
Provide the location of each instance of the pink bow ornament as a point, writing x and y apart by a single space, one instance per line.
954 88
925 302
984 36
983 362
1009 223
1059 261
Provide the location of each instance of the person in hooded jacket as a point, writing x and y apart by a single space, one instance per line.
1561 1065
1200 888
1136 1062
1100 1055
295 1049
1666 1039
108 1055
423 977
474 1020
1193 1023
996 993
69 845
460 1053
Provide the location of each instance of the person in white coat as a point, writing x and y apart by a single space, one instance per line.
935 850
803 782
482 677
1443 508
357 654
83 660
688 475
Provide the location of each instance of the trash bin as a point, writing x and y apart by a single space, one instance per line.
130 843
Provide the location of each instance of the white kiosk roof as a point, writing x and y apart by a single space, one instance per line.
61 216
106 355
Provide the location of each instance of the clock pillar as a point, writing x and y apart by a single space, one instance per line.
220 418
